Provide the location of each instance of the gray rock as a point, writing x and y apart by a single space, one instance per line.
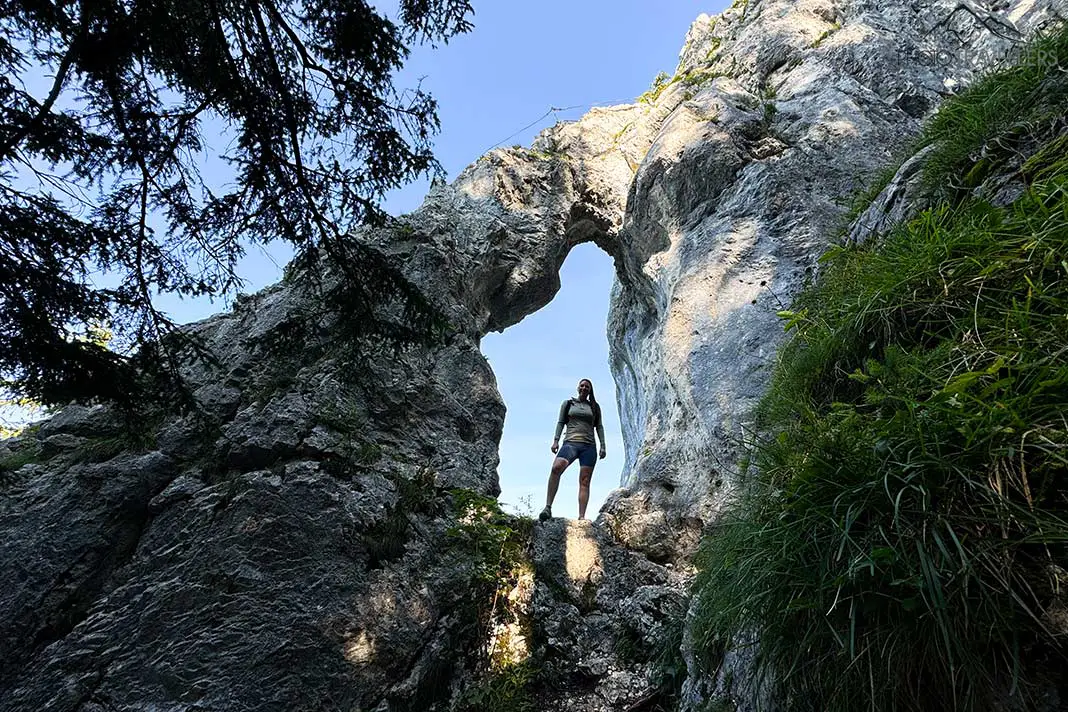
60 443
75 419
218 400
64 539
900 200
253 593
603 613
795 107
181 489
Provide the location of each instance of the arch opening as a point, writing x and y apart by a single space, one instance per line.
538 363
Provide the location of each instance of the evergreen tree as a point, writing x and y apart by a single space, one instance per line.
104 109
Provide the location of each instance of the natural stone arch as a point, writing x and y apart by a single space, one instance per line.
501 231
534 278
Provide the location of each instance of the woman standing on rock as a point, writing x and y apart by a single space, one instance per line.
582 416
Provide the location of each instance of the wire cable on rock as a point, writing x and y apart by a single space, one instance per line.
555 110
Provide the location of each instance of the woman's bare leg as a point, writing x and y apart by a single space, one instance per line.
559 465
585 475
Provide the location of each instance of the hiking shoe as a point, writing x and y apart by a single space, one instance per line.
546 513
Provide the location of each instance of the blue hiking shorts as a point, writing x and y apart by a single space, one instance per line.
585 452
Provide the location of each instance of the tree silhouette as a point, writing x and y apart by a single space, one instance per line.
105 106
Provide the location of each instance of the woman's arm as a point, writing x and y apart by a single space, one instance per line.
561 420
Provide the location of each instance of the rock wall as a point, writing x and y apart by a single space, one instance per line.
290 547
781 111
294 545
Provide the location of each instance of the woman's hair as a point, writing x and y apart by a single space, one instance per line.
593 403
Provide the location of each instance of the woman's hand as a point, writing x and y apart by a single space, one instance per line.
603 453
555 446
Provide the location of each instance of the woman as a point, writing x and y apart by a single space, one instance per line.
582 416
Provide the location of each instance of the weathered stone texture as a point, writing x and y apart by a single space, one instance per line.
604 615
791 108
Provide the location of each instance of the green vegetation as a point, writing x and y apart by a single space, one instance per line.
347 418
403 228
388 538
825 34
495 541
876 184
669 666
1004 117
509 688
629 647
549 155
131 437
692 80
710 55
660 83
14 460
495 545
770 111
697 78
904 530
115 139
713 50
102 449
619 134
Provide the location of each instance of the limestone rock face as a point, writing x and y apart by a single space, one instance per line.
288 549
294 544
789 108
605 616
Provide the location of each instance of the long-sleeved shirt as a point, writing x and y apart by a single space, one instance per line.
579 418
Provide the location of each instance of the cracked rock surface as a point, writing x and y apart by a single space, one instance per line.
604 615
787 109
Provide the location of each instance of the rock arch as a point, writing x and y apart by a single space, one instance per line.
509 220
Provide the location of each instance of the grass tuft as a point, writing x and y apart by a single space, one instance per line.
998 119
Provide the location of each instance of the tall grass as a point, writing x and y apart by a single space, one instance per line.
1000 118
904 529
